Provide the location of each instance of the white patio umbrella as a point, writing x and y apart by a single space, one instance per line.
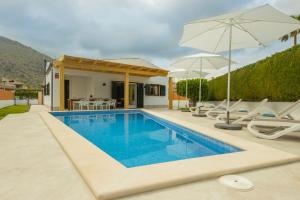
255 27
184 74
201 61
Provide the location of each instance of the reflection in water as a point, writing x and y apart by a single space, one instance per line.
135 139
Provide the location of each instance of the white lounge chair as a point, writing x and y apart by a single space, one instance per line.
273 128
208 106
240 117
282 123
214 113
286 112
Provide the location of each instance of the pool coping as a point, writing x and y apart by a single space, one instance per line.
109 179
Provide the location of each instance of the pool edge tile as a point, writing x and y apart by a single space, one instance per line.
112 180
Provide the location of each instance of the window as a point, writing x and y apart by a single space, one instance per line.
162 90
155 90
47 89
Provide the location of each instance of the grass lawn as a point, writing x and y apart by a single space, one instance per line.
13 109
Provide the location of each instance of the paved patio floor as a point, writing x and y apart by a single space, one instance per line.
34 167
32 164
278 183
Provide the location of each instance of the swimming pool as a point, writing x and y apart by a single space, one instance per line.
136 138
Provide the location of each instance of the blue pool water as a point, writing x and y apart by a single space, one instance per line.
136 138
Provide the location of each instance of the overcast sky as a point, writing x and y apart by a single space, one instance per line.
148 29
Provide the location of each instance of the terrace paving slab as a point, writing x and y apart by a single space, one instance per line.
32 164
278 183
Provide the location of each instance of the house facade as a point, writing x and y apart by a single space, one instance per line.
11 84
133 83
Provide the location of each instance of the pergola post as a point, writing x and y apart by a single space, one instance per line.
126 90
61 88
170 92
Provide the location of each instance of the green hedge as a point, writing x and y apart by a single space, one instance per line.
26 94
276 78
193 89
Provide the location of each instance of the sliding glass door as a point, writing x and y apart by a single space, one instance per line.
132 95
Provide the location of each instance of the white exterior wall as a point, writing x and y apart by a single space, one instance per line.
4 103
47 98
153 100
84 83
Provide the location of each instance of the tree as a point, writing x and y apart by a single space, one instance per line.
292 34
193 89
26 94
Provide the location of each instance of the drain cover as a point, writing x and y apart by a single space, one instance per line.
236 182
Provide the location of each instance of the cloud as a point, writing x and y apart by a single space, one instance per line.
149 29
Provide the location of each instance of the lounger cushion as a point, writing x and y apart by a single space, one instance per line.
268 114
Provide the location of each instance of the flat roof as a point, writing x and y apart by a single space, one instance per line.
134 61
133 66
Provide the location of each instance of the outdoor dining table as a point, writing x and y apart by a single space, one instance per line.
91 100
70 103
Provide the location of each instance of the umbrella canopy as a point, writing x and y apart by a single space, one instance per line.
199 62
193 62
184 74
249 28
255 27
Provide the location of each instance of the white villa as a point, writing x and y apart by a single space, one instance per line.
132 83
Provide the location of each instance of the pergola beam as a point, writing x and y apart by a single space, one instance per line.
110 69
107 66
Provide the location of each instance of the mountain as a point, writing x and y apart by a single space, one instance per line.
21 63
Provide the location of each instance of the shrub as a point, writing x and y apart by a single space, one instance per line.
27 94
276 78
193 89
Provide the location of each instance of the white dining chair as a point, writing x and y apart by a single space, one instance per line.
76 105
98 104
113 104
84 104
106 104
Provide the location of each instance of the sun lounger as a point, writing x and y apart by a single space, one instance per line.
286 113
208 106
257 114
273 128
214 113
282 123
244 117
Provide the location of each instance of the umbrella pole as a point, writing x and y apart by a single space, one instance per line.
227 125
228 79
200 85
186 89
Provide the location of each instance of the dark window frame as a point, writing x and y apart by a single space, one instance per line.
155 90
47 89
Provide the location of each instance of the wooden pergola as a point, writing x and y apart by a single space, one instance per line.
84 64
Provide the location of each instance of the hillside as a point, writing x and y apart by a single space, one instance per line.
22 63
276 78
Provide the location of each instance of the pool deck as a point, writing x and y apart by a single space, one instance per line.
28 171
32 164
